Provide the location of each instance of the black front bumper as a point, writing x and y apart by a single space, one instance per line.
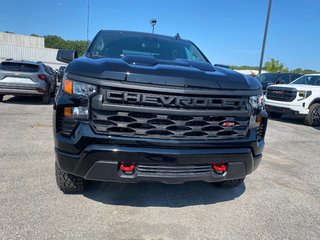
98 157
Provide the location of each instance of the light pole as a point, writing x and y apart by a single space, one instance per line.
153 23
265 36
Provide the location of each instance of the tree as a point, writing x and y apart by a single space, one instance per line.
53 41
275 66
303 71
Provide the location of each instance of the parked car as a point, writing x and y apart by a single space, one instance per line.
147 107
61 72
53 73
300 98
267 79
26 78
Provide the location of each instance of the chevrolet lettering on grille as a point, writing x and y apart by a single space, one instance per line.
114 96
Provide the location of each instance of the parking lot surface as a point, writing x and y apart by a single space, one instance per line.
281 200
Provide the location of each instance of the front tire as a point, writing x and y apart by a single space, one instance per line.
313 117
67 182
229 183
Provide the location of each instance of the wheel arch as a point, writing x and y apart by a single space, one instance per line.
316 100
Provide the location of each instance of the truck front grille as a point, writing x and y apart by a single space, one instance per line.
143 114
281 94
139 124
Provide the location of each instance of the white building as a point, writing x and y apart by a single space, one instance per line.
23 47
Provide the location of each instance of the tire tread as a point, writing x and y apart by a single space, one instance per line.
67 182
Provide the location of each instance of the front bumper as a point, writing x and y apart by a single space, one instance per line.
22 89
295 108
98 157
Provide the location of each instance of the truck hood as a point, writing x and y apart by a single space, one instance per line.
149 70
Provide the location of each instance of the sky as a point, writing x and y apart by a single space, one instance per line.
227 31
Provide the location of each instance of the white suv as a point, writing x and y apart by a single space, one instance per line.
301 97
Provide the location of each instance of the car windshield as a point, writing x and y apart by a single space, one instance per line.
120 44
267 77
308 80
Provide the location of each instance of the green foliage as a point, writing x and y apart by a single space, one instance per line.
244 67
303 71
53 41
275 66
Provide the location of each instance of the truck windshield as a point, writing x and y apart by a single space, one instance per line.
120 44
308 80
267 77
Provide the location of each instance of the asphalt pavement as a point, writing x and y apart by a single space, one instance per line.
281 200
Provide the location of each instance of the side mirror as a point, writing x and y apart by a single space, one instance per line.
66 55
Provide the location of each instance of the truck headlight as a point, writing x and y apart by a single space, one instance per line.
256 102
304 94
78 88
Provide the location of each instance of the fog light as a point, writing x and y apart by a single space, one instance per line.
76 112
67 112
80 112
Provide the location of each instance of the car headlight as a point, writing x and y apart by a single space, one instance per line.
256 102
304 94
78 88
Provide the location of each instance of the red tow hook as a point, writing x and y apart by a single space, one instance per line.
127 168
219 169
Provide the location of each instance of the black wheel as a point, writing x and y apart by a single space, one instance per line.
313 117
1 98
67 182
274 114
229 183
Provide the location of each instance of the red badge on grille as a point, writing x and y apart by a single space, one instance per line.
228 124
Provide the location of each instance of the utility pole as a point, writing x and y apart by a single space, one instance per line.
265 36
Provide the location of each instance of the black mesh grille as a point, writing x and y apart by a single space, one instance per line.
146 114
281 94
161 125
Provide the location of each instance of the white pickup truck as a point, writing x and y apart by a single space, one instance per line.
301 98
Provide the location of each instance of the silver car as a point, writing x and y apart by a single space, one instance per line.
26 78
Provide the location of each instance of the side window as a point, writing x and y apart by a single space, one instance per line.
294 77
284 79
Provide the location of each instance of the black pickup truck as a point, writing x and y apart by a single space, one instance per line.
147 107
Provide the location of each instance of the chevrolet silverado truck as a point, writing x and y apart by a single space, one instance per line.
147 107
300 98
